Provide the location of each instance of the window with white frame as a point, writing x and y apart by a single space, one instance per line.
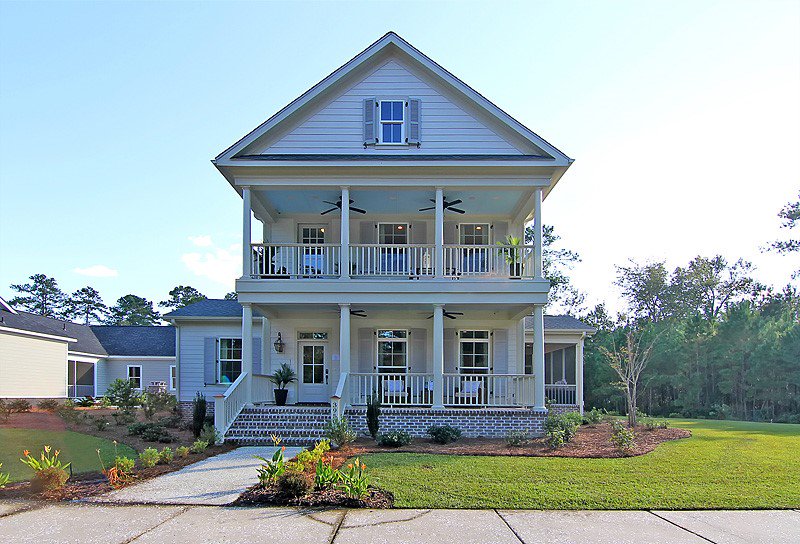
230 359
392 350
173 377
135 376
393 233
474 234
391 115
473 352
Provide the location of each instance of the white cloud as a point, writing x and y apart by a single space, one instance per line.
97 271
204 240
220 265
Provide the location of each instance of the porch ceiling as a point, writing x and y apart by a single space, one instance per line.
396 312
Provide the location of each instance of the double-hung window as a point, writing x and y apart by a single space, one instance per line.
173 377
473 350
392 350
391 116
135 376
230 359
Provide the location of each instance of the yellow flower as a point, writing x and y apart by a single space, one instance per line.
47 449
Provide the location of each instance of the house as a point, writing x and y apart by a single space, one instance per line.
389 204
42 357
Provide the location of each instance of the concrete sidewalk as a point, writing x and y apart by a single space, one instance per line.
117 524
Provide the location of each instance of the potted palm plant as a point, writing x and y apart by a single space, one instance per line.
281 378
511 250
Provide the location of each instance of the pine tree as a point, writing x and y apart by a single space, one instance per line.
41 296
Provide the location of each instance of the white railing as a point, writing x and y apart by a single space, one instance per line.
392 388
295 260
497 260
560 394
408 260
263 389
337 404
228 405
488 389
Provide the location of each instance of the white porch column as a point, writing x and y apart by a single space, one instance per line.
579 373
438 356
439 234
247 349
344 256
538 356
344 338
247 255
538 233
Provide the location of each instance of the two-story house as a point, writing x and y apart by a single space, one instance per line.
390 203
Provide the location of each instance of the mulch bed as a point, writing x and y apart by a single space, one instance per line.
590 441
35 419
269 496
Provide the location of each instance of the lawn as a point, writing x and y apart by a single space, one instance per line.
725 464
80 449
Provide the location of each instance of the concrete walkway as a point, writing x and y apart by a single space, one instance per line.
214 481
117 524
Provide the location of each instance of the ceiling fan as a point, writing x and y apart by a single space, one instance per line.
448 206
338 206
448 315
358 313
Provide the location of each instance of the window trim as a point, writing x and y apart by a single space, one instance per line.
487 341
141 376
220 359
378 366
488 233
402 123
173 378
407 227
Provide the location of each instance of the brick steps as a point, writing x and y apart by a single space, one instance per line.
296 425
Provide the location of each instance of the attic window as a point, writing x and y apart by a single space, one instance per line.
392 130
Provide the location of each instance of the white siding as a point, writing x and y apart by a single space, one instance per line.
32 367
111 369
446 126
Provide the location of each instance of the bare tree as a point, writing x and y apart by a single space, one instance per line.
629 361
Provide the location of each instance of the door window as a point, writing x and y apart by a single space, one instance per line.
313 364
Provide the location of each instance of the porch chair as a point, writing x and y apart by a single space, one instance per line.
395 392
471 392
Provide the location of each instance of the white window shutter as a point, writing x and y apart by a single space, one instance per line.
414 115
370 122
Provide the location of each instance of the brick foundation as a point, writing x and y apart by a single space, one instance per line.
564 408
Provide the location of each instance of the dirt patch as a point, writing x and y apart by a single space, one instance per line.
269 496
35 419
590 441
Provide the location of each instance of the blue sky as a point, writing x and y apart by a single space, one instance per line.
683 118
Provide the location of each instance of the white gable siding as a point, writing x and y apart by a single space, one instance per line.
32 367
446 127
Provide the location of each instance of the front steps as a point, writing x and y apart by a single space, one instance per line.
296 425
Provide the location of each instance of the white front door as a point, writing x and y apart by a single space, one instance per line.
313 372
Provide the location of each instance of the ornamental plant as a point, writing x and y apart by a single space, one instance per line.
394 439
354 481
165 456
325 476
182 451
149 457
120 473
271 469
373 415
293 484
308 458
49 472
623 438
444 434
339 432
198 446
4 477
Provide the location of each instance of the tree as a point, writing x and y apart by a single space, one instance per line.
629 361
231 296
556 262
133 310
41 296
712 284
791 218
86 305
646 288
181 296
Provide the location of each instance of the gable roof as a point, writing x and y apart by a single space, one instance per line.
392 41
211 307
560 323
136 341
23 321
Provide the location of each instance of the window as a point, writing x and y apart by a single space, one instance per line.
559 366
392 350
392 130
312 335
135 375
474 234
173 377
312 234
393 233
230 359
473 349
528 358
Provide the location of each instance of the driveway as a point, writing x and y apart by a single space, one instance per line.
116 524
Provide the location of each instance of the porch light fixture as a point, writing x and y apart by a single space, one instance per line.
278 344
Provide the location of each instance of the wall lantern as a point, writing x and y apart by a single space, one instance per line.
278 344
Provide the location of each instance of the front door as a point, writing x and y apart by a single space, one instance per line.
313 372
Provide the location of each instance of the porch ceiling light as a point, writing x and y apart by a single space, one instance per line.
278 344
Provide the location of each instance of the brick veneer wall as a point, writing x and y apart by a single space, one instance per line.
186 409
564 408
473 422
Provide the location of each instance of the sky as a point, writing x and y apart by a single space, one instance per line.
683 119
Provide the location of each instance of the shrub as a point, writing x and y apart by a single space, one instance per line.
173 421
198 414
574 417
373 415
49 472
182 451
325 475
151 432
444 434
271 468
556 438
394 439
123 394
308 458
68 413
4 477
121 417
293 484
354 481
149 457
85 402
652 424
198 446
165 456
593 417
100 423
622 437
18 406
48 405
159 401
675 415
210 434
517 438
5 411
338 431
560 422
121 473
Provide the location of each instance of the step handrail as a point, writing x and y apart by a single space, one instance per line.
229 404
336 399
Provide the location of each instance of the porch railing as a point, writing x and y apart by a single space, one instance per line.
295 260
500 261
405 260
488 389
263 389
560 394
395 389
228 405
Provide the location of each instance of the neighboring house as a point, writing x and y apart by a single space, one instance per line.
42 357
386 195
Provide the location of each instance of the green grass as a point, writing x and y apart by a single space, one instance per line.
725 464
79 449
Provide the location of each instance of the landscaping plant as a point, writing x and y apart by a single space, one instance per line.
269 471
121 473
199 446
354 481
4 477
165 456
560 429
622 437
308 458
182 451
48 405
199 406
338 431
100 423
593 417
49 472
373 415
281 378
517 438
325 476
394 439
18 406
292 484
149 457
444 434
5 411
123 394
210 434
